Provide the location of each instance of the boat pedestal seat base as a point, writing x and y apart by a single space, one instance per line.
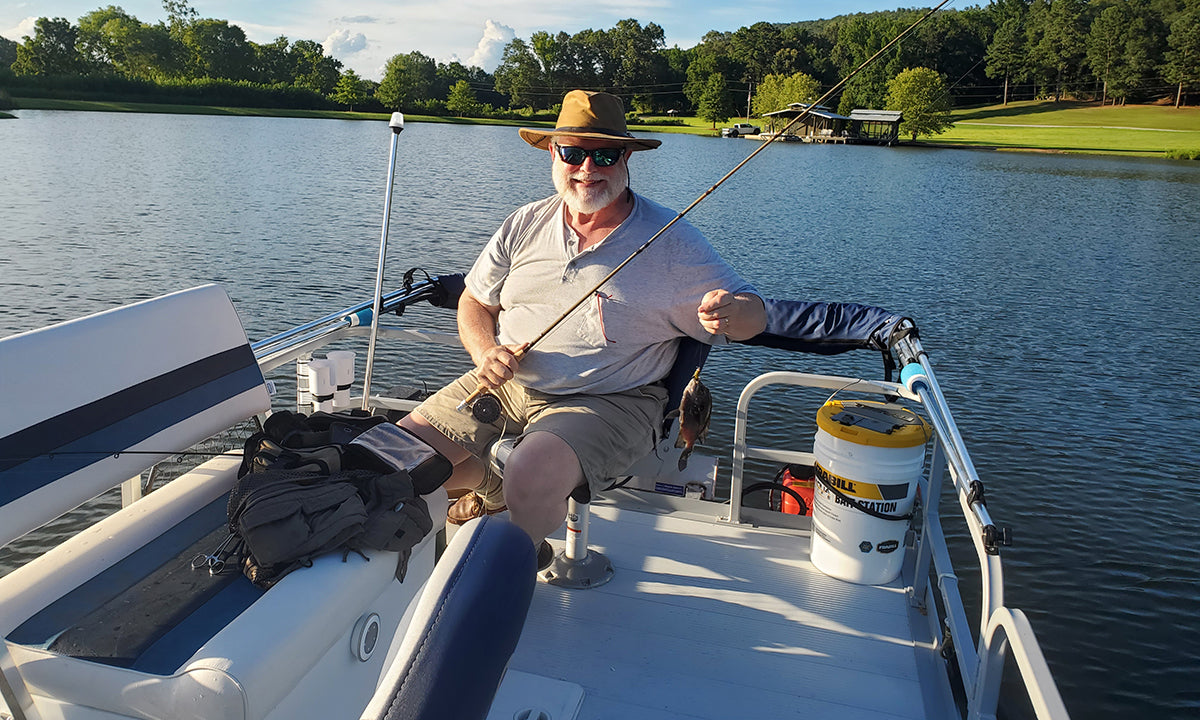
116 619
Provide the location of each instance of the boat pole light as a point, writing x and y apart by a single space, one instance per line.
396 124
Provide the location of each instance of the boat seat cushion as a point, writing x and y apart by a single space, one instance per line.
150 611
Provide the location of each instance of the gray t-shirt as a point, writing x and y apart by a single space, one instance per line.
626 334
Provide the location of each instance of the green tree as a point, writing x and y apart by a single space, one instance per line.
921 95
51 50
407 80
8 54
633 48
859 38
714 105
755 47
273 62
179 15
804 51
1006 53
1056 34
776 92
217 49
462 101
518 74
351 90
312 68
1106 44
709 58
563 61
112 40
104 37
1183 54
1143 51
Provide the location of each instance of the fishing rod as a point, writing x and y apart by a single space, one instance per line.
118 453
481 390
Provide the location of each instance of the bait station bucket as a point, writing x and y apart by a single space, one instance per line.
869 459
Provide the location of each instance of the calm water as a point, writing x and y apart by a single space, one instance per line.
1057 295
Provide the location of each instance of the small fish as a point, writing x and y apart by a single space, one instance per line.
695 410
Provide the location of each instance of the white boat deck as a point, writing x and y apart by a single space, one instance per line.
704 619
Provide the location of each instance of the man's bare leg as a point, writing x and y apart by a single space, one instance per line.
538 476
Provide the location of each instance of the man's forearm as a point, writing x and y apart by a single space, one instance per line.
476 326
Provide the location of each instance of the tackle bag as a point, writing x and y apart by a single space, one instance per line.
310 485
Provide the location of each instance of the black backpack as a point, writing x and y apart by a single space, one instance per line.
310 485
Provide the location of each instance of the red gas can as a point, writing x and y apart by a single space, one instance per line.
800 479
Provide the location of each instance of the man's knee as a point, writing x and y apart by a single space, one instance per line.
541 472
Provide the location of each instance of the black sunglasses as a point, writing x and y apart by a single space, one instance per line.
603 157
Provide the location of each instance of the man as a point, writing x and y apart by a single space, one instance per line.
588 398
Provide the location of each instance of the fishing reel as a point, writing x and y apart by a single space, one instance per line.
486 408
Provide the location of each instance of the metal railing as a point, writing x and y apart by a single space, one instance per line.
1000 629
355 320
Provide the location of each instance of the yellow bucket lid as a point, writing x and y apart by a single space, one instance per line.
876 424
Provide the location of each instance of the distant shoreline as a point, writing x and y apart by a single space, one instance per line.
1085 138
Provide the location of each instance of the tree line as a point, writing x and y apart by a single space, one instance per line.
1107 50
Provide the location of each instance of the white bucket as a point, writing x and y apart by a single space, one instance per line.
872 454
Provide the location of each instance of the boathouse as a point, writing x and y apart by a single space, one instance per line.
876 126
822 125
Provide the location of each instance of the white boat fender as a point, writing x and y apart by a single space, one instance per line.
343 375
321 384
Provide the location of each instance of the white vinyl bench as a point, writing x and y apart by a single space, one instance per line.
114 620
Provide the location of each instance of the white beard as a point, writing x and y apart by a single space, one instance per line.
594 199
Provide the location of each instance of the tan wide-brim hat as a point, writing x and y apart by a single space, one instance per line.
593 115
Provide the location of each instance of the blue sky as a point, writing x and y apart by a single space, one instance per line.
363 34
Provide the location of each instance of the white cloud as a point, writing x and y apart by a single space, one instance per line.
341 43
491 46
20 30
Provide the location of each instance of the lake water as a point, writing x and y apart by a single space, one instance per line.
1057 296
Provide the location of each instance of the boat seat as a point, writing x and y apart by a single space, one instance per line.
466 626
114 618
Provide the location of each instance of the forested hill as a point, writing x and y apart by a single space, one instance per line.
1112 50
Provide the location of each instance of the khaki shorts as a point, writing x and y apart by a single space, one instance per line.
607 432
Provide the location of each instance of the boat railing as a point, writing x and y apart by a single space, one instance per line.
1000 628
289 345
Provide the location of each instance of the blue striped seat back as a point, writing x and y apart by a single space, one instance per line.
90 403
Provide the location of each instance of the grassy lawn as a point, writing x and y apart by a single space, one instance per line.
1077 127
1034 125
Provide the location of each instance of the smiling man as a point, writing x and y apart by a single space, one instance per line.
588 399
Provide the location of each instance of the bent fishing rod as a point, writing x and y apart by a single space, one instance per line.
525 348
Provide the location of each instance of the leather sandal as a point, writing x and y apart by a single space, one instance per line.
468 507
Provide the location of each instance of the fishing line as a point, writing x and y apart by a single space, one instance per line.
521 351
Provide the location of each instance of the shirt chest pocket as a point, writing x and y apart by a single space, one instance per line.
606 320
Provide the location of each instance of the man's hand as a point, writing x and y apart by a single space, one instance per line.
498 364
738 317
